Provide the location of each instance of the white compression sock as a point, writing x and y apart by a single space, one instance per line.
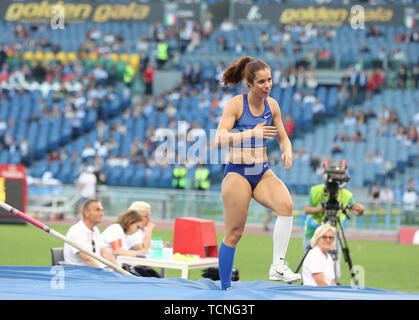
281 238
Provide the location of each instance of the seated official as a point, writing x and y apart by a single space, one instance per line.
318 265
86 233
115 237
141 239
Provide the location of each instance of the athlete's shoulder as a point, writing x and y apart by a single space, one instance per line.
273 104
235 103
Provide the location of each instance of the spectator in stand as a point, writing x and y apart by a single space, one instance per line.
142 44
238 46
325 59
374 194
387 195
100 75
360 117
315 162
221 44
415 76
25 150
374 31
350 119
401 133
3 55
363 48
358 137
336 149
377 158
196 74
412 134
368 157
319 110
207 26
380 59
375 83
53 156
98 163
341 137
361 83
410 200
343 98
289 125
402 76
384 116
309 98
76 125
186 73
88 152
86 186
148 78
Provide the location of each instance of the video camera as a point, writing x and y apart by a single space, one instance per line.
335 177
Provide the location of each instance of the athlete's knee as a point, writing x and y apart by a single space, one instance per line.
233 236
287 208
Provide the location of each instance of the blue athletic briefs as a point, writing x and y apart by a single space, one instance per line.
252 172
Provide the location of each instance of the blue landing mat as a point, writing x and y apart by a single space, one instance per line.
81 283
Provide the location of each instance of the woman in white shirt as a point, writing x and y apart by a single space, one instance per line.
318 266
115 236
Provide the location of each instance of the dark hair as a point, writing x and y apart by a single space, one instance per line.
244 68
127 218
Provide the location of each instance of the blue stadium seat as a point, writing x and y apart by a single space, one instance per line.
4 156
138 179
113 175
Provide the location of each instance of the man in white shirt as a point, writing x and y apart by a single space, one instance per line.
409 200
86 233
87 186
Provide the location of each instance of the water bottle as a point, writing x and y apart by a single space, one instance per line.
159 249
153 249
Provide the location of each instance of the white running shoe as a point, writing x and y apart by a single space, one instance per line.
281 272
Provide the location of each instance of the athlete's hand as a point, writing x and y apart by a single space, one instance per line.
264 132
286 158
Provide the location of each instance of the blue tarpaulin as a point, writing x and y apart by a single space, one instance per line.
81 283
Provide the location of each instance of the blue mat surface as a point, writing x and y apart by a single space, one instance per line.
81 283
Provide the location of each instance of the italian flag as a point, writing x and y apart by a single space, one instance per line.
169 19
409 21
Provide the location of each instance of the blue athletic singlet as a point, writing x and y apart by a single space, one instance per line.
252 172
248 121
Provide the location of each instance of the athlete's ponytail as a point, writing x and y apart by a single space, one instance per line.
244 68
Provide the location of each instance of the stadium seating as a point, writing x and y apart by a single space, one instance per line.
46 133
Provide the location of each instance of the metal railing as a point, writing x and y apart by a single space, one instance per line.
167 204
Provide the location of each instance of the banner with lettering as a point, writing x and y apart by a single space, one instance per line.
101 12
325 15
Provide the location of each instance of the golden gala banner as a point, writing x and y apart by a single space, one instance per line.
321 15
100 12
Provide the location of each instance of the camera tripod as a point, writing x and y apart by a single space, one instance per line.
332 207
